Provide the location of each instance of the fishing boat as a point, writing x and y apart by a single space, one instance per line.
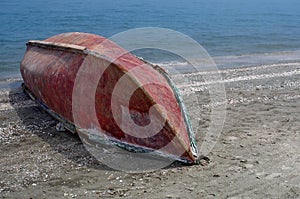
96 88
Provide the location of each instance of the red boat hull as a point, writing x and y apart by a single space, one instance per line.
50 69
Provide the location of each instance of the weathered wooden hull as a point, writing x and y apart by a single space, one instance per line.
50 70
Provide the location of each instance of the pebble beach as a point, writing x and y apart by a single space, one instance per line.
256 156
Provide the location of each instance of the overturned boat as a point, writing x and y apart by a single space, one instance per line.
98 89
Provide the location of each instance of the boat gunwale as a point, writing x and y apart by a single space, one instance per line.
54 45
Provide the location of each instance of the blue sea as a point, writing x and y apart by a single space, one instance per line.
234 32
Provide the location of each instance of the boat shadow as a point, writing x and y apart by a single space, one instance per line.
38 122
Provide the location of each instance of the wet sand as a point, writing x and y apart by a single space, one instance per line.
256 156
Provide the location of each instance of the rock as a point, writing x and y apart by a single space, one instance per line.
194 183
204 161
273 175
170 196
190 189
248 166
231 138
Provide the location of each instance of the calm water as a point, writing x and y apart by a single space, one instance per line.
228 29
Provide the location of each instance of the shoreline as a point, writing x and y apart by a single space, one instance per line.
222 63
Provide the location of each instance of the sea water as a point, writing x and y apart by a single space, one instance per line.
234 32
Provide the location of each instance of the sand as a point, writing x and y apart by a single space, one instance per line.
256 156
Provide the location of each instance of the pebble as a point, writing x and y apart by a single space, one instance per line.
231 138
164 172
190 189
194 183
273 175
258 175
170 196
204 161
110 177
248 166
